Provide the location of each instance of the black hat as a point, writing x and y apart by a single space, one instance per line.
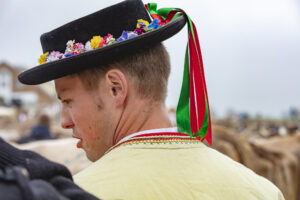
111 20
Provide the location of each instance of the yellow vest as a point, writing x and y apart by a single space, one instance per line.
169 167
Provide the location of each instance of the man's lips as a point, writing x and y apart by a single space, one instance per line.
79 143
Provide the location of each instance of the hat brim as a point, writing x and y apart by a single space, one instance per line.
99 57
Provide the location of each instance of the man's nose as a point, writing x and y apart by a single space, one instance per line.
65 120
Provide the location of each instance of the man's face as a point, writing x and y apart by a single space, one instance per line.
90 114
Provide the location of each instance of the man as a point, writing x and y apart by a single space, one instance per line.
112 93
41 131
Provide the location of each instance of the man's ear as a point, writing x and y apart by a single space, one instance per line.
117 85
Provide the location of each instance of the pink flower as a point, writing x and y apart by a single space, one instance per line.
56 54
79 46
109 39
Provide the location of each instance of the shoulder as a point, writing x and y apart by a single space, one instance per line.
239 177
117 169
140 171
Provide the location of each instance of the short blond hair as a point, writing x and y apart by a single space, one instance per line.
149 68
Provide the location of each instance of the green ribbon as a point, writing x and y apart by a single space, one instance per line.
192 115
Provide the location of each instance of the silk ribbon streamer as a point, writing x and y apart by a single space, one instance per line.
192 114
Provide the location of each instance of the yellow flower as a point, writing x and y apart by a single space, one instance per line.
96 41
42 58
141 21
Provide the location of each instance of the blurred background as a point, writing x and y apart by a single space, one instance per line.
252 66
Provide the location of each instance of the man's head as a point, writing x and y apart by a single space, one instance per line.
94 101
44 120
98 100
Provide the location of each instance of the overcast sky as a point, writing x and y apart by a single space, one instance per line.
250 47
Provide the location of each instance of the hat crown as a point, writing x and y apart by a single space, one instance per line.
113 20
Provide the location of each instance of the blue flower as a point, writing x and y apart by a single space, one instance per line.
126 35
69 54
154 25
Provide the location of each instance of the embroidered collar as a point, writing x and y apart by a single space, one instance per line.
157 136
141 133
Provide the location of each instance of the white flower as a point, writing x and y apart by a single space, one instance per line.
88 46
51 58
70 46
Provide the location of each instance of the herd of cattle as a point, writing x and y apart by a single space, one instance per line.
276 158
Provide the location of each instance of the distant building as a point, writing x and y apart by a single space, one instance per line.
12 92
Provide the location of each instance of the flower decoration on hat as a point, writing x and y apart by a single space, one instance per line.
73 48
154 25
141 30
78 48
88 46
109 39
126 35
142 22
43 58
65 56
96 42
54 55
70 47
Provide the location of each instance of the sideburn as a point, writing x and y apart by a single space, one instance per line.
99 103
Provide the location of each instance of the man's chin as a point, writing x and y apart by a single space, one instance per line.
92 157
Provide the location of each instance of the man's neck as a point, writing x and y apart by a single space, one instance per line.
141 115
